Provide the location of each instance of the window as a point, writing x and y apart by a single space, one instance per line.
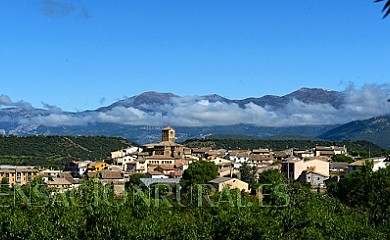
18 177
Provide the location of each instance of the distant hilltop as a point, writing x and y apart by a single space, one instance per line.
308 112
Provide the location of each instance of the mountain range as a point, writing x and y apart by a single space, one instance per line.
308 112
305 95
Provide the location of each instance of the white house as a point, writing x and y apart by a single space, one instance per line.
380 162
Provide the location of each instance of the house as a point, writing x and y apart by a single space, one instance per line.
380 162
315 179
17 175
97 166
136 166
68 176
318 165
254 160
225 167
200 152
77 168
293 168
125 152
340 150
127 155
330 151
110 177
182 164
262 151
263 168
165 169
215 153
281 155
324 151
122 161
238 156
338 168
176 174
156 174
47 174
221 182
60 183
303 153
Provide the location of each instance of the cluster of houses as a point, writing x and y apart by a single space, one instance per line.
166 161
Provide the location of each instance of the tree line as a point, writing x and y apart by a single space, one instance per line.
358 208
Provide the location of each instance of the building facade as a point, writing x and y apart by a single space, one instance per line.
17 175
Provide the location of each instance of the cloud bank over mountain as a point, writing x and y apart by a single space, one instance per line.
355 104
7 102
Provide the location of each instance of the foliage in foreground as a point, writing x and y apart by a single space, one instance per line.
284 211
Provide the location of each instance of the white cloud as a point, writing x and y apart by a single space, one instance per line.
52 108
363 103
60 119
7 102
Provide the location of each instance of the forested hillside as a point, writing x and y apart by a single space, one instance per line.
56 150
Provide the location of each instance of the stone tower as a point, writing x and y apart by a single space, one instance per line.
168 134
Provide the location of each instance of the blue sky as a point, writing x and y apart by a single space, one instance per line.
79 54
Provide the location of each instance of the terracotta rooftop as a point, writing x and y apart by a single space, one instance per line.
68 176
176 174
166 167
318 173
181 162
220 180
155 173
110 174
58 181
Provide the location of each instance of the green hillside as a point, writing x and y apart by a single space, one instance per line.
376 130
57 150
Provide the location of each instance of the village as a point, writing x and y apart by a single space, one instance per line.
165 162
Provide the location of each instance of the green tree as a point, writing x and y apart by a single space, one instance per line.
136 178
353 190
4 186
272 184
271 177
199 172
248 174
342 158
367 191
